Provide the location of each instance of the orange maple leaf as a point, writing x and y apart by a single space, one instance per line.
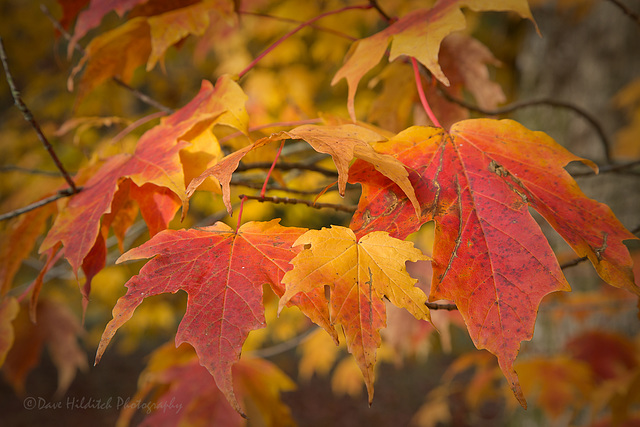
153 176
417 34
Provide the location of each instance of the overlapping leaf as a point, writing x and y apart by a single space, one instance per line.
184 393
342 142
490 256
152 177
417 34
360 273
142 39
222 271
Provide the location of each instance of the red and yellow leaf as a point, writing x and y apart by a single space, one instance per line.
490 256
222 271
360 273
185 394
155 171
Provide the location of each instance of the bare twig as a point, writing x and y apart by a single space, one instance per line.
287 166
286 200
11 168
61 194
295 30
630 13
285 345
573 262
439 306
141 96
295 21
606 145
256 186
28 116
376 6
622 168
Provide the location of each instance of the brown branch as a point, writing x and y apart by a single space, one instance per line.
612 169
606 145
257 186
439 306
287 166
11 168
376 6
61 194
625 9
141 96
28 116
286 200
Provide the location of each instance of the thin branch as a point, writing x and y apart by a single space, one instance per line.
256 186
376 6
61 194
606 145
295 30
31 120
287 166
11 168
612 169
630 13
286 200
141 96
285 345
295 21
573 262
439 306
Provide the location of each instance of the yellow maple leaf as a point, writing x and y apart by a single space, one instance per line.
360 273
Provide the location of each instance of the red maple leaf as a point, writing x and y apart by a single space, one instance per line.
477 182
222 271
153 176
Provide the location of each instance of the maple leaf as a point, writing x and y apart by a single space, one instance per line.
142 38
490 256
58 329
417 34
153 176
222 271
342 142
360 273
187 394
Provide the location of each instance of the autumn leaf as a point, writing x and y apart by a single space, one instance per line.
490 256
222 271
360 273
169 28
153 175
417 34
142 39
59 330
559 383
342 142
184 393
